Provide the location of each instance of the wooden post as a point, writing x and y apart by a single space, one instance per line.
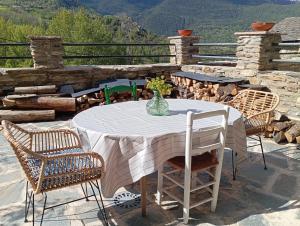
27 116
62 104
143 187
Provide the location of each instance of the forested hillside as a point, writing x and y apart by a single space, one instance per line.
214 20
81 26
107 21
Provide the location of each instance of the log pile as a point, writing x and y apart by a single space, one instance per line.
284 131
215 92
94 99
36 103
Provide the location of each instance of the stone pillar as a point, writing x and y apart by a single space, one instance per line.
256 50
47 52
183 49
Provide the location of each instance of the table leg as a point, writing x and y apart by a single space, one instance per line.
143 187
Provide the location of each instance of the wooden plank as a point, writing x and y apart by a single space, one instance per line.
280 126
143 187
27 116
85 92
35 90
206 78
62 104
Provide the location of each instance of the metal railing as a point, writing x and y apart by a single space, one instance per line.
68 44
288 45
214 58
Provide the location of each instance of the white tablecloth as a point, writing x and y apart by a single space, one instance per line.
134 144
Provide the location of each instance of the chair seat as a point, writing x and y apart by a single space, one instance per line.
54 169
254 126
199 162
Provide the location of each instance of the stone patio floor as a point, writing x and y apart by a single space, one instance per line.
257 197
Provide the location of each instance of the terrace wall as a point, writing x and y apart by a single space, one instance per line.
81 77
285 83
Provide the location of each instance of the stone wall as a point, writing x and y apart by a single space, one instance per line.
285 83
183 49
256 50
47 51
81 77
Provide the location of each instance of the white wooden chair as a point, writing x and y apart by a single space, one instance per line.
204 151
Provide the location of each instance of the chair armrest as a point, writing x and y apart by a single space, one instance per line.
53 140
66 166
264 115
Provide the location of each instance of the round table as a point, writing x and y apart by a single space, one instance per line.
134 144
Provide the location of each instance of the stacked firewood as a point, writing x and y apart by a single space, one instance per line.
193 89
284 130
98 98
35 103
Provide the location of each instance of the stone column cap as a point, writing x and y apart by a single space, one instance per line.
256 33
182 37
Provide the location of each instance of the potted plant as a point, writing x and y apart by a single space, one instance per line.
184 32
158 105
262 26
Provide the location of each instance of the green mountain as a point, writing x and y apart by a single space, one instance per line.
214 20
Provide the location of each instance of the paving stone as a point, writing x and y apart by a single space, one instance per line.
3 141
242 202
254 220
285 185
255 171
154 217
278 162
258 200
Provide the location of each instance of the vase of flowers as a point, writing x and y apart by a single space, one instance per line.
158 106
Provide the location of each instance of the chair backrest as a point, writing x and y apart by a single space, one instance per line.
211 138
119 89
20 141
16 136
251 102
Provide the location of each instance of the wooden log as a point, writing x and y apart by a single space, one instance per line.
281 126
292 133
92 101
298 140
188 82
215 88
279 137
27 116
35 90
61 104
268 134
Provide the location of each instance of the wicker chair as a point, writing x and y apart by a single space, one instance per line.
257 107
53 160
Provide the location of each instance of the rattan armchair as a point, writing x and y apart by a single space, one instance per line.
257 108
53 160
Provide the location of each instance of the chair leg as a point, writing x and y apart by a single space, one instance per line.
262 151
216 184
103 215
33 209
99 190
44 206
85 192
159 185
186 201
27 203
233 165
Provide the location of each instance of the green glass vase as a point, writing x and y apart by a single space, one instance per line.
157 105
